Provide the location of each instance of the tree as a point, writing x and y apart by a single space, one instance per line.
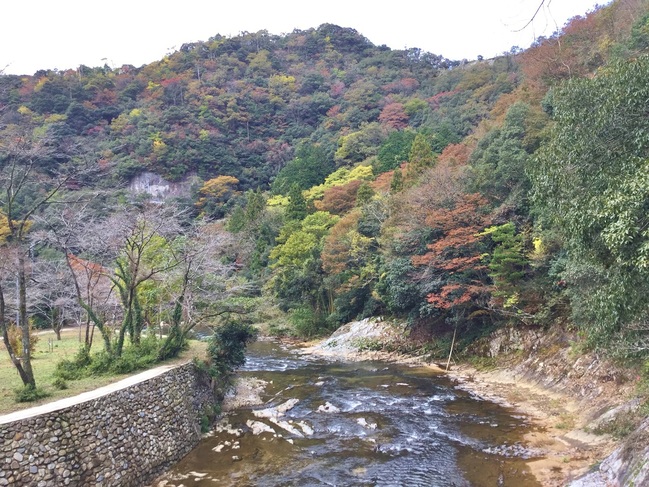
421 157
339 199
24 193
204 286
296 208
507 263
454 259
144 251
309 167
215 194
394 116
590 183
71 229
297 270
394 151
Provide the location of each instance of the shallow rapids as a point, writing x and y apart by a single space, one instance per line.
327 423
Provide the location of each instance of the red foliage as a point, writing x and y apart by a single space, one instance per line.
393 115
455 256
176 80
404 85
337 89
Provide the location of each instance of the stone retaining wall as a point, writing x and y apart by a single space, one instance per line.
125 438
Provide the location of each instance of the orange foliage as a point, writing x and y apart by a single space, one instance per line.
455 256
454 155
382 182
339 199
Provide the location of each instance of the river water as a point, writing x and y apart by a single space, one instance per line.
358 424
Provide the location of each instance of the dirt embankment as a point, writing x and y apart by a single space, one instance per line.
570 396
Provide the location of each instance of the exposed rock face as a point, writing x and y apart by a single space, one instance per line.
124 438
627 465
158 188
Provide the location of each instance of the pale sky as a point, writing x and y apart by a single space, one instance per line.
62 34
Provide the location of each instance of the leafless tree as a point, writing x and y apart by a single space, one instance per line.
203 284
23 193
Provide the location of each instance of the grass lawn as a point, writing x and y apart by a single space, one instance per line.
44 363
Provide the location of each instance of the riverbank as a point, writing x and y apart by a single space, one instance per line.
568 396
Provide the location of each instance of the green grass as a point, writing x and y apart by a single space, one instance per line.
44 363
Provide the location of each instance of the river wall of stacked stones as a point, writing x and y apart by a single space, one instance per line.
125 438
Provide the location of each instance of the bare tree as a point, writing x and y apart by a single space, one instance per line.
23 193
50 293
203 284
71 229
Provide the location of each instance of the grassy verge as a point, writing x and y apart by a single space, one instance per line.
44 363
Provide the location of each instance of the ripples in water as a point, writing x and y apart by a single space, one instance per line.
386 426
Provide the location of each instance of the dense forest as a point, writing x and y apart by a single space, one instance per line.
327 179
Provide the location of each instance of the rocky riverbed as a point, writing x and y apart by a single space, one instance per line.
568 398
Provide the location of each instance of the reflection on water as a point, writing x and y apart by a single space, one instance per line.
359 424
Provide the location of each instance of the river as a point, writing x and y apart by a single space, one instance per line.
358 424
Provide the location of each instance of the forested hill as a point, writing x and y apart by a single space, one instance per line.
359 180
239 106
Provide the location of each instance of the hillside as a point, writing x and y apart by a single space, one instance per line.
319 179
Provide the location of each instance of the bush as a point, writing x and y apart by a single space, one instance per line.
308 323
16 338
227 347
60 383
29 393
74 369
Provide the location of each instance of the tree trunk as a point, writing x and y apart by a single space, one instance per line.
5 335
24 323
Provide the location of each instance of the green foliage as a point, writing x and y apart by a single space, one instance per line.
227 346
396 184
591 183
359 146
30 393
394 151
421 153
309 168
507 262
76 368
397 287
640 34
499 160
296 209
60 383
307 323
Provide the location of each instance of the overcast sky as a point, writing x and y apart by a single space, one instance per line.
62 34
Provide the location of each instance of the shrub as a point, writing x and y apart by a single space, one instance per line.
60 383
74 369
29 393
16 338
227 347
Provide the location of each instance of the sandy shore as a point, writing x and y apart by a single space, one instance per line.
560 423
